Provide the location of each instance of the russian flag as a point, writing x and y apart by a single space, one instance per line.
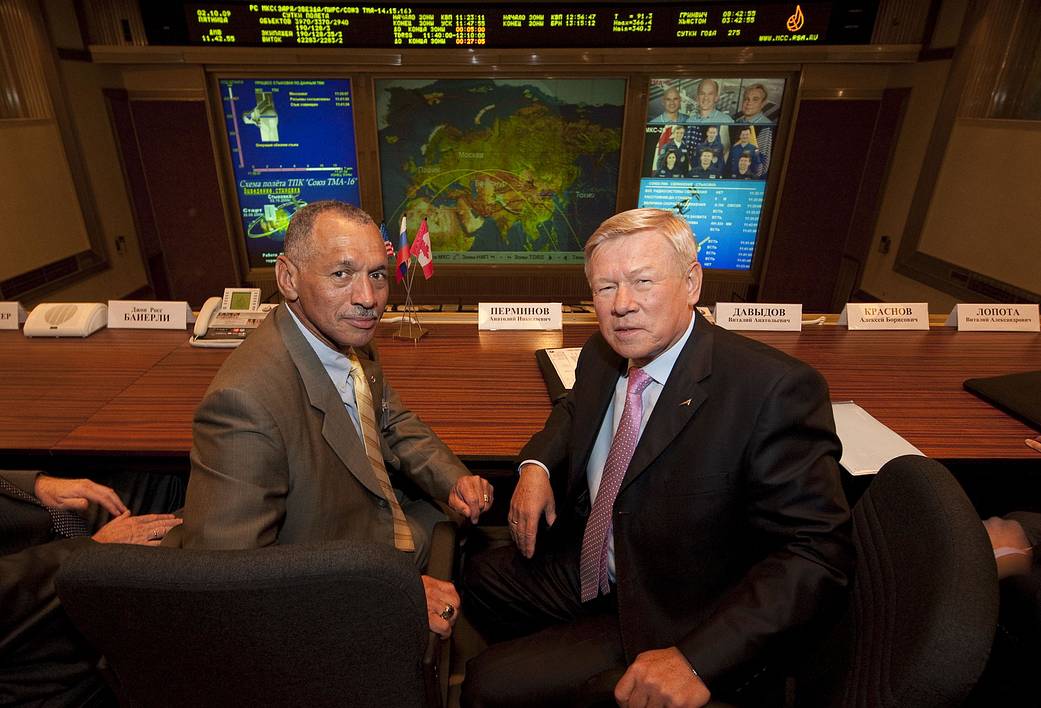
403 253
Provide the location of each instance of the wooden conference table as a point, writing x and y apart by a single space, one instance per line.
125 393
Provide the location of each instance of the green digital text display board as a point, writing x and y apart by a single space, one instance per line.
508 25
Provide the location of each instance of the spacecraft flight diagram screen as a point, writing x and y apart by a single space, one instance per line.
291 142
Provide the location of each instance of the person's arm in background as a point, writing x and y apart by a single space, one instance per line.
1014 537
1013 548
27 576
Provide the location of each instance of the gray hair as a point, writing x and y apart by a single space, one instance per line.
299 245
672 226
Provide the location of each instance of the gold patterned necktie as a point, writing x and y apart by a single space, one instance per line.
367 415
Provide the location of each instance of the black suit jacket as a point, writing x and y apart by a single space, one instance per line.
731 525
42 657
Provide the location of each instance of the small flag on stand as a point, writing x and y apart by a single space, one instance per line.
403 253
422 251
386 241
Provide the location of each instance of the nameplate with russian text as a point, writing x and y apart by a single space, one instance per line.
885 315
12 314
995 318
519 315
759 315
149 314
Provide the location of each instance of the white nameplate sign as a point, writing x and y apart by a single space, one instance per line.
995 318
149 314
885 315
519 315
759 315
12 314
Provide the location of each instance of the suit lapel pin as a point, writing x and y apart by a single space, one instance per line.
686 402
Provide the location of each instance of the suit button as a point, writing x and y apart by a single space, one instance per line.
382 503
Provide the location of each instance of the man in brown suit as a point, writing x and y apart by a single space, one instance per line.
278 451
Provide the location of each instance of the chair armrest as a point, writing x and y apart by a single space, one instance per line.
437 656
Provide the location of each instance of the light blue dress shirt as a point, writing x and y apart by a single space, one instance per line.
659 371
338 366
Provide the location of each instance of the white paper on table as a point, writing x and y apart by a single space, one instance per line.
564 363
866 443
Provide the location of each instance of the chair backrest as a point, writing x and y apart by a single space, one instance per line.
924 606
340 624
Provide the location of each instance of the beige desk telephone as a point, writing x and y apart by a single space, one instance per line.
225 321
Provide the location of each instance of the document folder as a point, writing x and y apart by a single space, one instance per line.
558 370
1016 394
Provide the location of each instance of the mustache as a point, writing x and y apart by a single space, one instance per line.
363 313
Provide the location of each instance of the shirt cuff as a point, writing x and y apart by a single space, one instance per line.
533 462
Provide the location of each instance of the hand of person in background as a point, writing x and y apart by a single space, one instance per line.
1012 550
471 496
144 530
76 494
1034 443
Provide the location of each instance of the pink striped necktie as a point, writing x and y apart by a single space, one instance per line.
593 565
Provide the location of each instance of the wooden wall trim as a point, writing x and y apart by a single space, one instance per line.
484 60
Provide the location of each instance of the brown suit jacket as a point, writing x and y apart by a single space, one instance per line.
276 459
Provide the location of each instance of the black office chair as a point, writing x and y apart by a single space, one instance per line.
332 625
924 606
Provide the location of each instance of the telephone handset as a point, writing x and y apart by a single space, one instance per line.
225 322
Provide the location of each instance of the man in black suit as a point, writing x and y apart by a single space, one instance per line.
710 461
43 660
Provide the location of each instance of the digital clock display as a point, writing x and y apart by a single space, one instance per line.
521 25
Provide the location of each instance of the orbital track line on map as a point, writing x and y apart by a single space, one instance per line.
493 175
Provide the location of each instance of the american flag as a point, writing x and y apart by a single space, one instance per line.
386 241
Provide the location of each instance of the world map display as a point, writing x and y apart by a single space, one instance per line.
504 171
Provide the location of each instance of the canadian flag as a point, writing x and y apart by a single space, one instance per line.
421 250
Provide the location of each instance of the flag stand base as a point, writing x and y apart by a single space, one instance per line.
409 328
